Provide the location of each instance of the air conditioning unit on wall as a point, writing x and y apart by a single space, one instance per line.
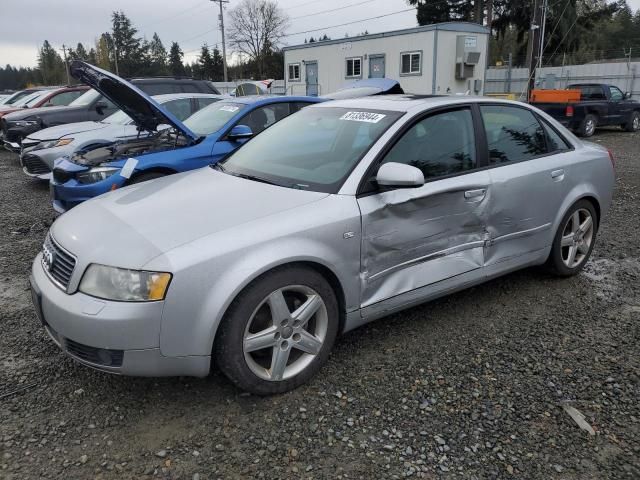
467 56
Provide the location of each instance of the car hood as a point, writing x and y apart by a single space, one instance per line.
54 133
145 112
129 227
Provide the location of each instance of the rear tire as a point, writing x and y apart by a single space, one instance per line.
145 177
278 332
633 125
574 240
588 126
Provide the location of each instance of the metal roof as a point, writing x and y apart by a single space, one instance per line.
462 27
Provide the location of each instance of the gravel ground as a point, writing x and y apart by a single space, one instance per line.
471 386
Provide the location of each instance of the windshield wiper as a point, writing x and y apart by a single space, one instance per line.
220 168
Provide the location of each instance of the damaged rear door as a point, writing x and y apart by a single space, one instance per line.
415 237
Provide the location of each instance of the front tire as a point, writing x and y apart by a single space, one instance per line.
574 240
278 332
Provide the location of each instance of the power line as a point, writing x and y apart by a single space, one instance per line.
350 23
332 10
196 6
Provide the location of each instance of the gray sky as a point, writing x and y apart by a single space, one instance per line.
28 22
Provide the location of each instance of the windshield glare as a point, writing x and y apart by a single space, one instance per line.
118 118
212 118
85 99
314 149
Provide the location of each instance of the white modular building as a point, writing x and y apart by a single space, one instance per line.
432 59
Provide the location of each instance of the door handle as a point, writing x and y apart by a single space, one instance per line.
475 194
558 175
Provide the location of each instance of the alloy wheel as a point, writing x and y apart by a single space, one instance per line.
590 127
285 333
577 237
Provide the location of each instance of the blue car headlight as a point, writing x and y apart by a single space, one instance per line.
96 174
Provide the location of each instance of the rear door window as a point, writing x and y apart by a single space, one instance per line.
513 134
262 118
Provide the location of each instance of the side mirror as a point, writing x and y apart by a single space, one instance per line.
240 132
627 95
101 107
399 175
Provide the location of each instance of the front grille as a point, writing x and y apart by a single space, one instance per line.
34 165
61 176
58 263
98 356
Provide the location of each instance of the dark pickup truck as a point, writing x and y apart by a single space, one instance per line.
600 105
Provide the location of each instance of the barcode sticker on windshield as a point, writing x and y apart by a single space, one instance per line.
367 117
128 168
229 108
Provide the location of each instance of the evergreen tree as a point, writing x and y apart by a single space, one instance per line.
51 65
157 56
80 52
218 65
103 52
176 66
205 63
129 49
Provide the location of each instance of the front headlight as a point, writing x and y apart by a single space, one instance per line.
54 143
96 174
123 285
25 123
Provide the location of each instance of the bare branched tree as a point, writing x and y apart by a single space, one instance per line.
256 29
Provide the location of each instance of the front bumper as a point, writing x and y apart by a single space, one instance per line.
34 166
69 193
115 337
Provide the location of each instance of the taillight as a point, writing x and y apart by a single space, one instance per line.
613 160
569 112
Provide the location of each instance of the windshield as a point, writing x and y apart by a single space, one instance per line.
25 100
118 118
213 118
314 149
16 97
35 99
85 99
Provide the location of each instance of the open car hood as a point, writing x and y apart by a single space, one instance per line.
366 88
145 112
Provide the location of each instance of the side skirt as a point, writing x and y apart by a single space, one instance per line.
445 287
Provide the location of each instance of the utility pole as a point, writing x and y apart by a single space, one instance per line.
66 64
545 9
224 43
534 39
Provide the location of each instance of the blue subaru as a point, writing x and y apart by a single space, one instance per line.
165 144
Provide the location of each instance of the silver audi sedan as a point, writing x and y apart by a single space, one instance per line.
341 214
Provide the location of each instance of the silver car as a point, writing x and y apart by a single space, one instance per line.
41 149
340 214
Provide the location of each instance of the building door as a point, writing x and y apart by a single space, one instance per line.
376 66
311 71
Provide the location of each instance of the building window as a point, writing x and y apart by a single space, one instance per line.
354 67
411 63
294 72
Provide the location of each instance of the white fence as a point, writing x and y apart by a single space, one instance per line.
277 87
625 75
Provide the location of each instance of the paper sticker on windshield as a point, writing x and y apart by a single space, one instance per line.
128 168
229 108
366 117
